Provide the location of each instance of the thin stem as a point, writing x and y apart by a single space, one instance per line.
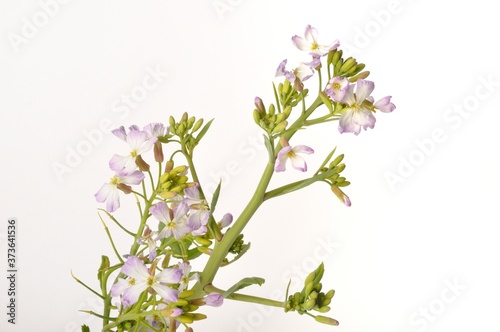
246 298
222 248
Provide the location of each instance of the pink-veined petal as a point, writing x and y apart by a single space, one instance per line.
302 149
119 287
133 178
167 293
124 164
298 163
311 34
134 267
363 89
169 276
301 43
120 133
160 212
385 105
349 97
281 159
214 299
132 293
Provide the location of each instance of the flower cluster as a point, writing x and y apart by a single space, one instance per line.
156 285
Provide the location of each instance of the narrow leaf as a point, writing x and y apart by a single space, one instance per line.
242 284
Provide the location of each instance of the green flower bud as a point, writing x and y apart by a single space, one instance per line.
361 75
199 316
185 318
202 241
326 100
280 127
197 125
309 288
287 110
336 57
336 161
309 304
272 109
330 294
171 121
324 309
348 65
326 320
186 293
256 117
310 277
190 122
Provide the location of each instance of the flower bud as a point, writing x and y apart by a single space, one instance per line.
326 320
340 194
347 65
259 105
197 125
143 166
330 294
361 75
256 117
324 309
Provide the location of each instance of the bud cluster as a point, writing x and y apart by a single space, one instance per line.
346 68
173 181
311 297
272 120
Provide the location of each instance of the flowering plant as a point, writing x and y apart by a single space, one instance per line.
154 286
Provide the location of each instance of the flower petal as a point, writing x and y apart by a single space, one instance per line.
363 89
134 267
301 43
385 105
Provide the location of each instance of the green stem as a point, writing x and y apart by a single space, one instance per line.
247 298
222 248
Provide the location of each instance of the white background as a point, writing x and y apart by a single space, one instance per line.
420 254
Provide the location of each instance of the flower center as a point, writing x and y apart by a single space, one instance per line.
336 86
151 280
314 46
171 225
134 153
131 281
114 180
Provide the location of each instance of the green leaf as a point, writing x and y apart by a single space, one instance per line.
269 147
203 131
85 328
242 284
215 197
104 266
327 159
